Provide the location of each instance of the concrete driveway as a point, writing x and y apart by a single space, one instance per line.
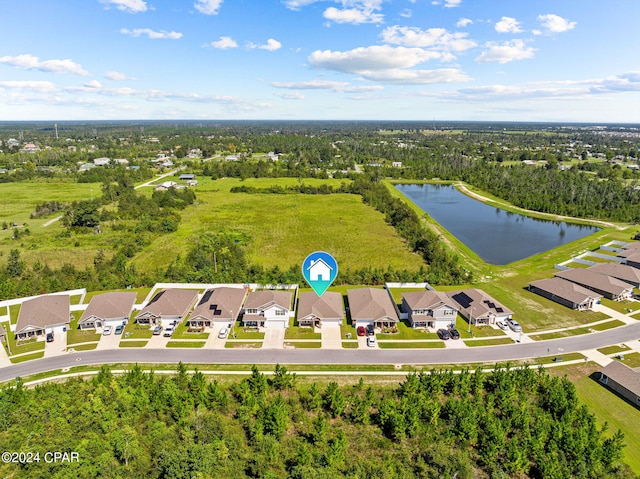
331 336
58 346
110 341
273 338
213 341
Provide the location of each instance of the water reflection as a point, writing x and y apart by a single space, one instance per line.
497 238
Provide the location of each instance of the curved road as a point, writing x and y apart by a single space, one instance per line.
486 354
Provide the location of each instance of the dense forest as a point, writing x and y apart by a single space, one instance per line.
518 423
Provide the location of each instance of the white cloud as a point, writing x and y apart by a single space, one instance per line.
152 34
35 86
555 24
129 6
438 38
223 43
271 45
452 3
208 7
93 84
353 15
387 64
506 52
406 13
30 62
291 96
335 86
298 4
464 22
508 25
117 76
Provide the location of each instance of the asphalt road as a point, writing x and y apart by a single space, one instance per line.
318 356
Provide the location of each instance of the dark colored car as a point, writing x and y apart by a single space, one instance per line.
361 331
453 332
49 337
370 331
119 329
443 334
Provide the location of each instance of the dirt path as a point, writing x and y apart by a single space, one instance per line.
463 189
52 220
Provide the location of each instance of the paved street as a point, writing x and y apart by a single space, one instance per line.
585 342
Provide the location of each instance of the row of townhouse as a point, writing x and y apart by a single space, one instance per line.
260 309
583 287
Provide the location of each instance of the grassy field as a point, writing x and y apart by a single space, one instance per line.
283 229
607 407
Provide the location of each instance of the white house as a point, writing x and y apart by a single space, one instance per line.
101 161
268 309
319 270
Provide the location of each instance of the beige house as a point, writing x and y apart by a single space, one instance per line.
167 306
218 305
565 292
372 306
429 309
607 286
108 309
42 315
623 380
622 272
314 310
479 308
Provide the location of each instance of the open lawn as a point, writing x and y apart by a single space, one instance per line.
624 307
576 331
301 333
27 357
488 342
186 344
410 344
632 359
283 229
610 408
407 332
141 294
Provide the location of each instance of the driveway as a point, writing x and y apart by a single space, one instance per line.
331 336
57 346
110 341
273 338
213 341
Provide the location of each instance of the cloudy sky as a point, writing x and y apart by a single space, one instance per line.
516 60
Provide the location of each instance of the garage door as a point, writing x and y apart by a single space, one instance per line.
276 323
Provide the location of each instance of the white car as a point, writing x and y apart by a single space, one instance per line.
514 325
371 341
224 332
502 325
106 331
168 331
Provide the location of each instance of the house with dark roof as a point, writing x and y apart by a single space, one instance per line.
565 292
429 309
478 307
267 309
108 309
623 380
167 306
314 310
219 305
372 306
619 271
607 286
43 314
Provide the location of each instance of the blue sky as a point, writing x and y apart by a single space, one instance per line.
512 60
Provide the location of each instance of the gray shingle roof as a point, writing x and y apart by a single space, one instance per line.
565 289
265 298
110 305
620 271
478 301
220 304
428 300
623 375
43 312
170 302
591 279
327 306
371 304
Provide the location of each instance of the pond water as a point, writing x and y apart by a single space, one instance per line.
497 236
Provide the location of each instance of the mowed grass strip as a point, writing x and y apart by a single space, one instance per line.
132 344
186 344
488 342
410 344
283 229
27 357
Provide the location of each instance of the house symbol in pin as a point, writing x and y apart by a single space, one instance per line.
319 270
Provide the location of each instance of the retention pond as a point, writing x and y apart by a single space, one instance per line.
497 236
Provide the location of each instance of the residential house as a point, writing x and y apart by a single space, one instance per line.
314 310
121 161
108 309
622 272
372 306
607 286
167 306
187 176
623 380
429 309
42 315
479 308
565 292
101 161
218 305
267 309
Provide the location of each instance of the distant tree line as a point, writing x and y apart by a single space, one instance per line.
509 423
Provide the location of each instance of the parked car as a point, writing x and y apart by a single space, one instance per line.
107 330
502 325
361 331
514 325
157 331
168 331
49 337
370 331
443 334
224 332
453 332
371 341
119 329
